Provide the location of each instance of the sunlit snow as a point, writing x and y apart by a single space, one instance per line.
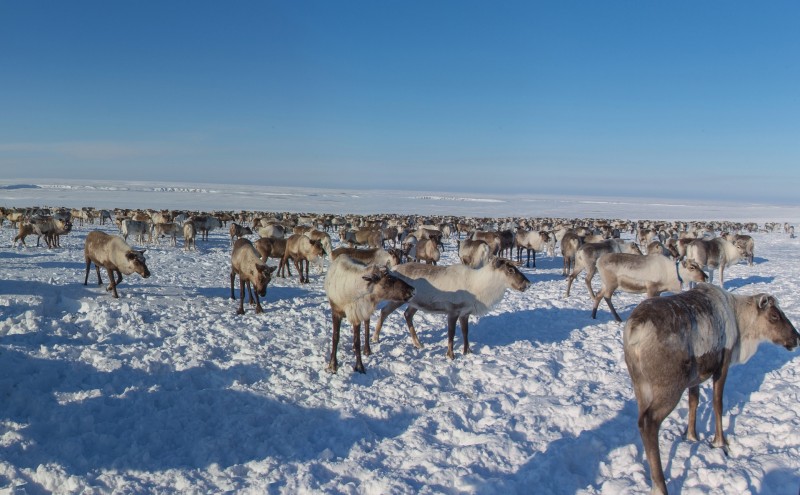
167 390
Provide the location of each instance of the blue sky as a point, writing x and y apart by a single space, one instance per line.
695 99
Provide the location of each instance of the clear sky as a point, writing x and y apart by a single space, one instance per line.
696 99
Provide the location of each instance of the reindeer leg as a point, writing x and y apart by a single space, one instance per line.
333 364
409 314
367 350
719 440
359 366
570 279
251 301
88 268
463 321
259 309
391 306
240 311
694 399
451 335
596 302
611 307
648 429
589 276
112 286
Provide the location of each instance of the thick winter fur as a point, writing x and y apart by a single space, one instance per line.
646 236
323 237
370 256
745 243
533 241
491 238
237 231
408 247
473 254
354 289
651 274
657 247
427 251
205 223
51 228
714 253
269 247
25 229
677 342
362 237
136 228
301 250
165 229
457 291
115 255
587 255
274 231
252 272
189 235
570 242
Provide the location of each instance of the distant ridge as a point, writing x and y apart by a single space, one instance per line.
21 186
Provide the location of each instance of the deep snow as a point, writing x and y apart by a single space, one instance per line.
167 390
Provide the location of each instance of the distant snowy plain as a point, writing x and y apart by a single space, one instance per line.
167 390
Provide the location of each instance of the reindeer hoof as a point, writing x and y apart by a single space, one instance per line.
360 368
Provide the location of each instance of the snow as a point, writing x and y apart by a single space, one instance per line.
167 390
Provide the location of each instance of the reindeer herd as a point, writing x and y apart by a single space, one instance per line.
671 343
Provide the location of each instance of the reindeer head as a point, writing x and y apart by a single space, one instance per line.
388 287
137 262
773 325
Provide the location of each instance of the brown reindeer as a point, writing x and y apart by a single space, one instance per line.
252 272
115 255
677 342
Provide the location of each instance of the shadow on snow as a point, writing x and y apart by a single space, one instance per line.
130 419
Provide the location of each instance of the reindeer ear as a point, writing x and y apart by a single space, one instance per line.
373 276
765 301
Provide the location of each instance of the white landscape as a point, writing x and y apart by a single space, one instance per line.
167 390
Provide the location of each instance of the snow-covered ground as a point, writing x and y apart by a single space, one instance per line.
167 390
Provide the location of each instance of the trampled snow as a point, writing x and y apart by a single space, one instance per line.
167 390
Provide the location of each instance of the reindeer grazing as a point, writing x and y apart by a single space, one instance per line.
115 255
252 272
